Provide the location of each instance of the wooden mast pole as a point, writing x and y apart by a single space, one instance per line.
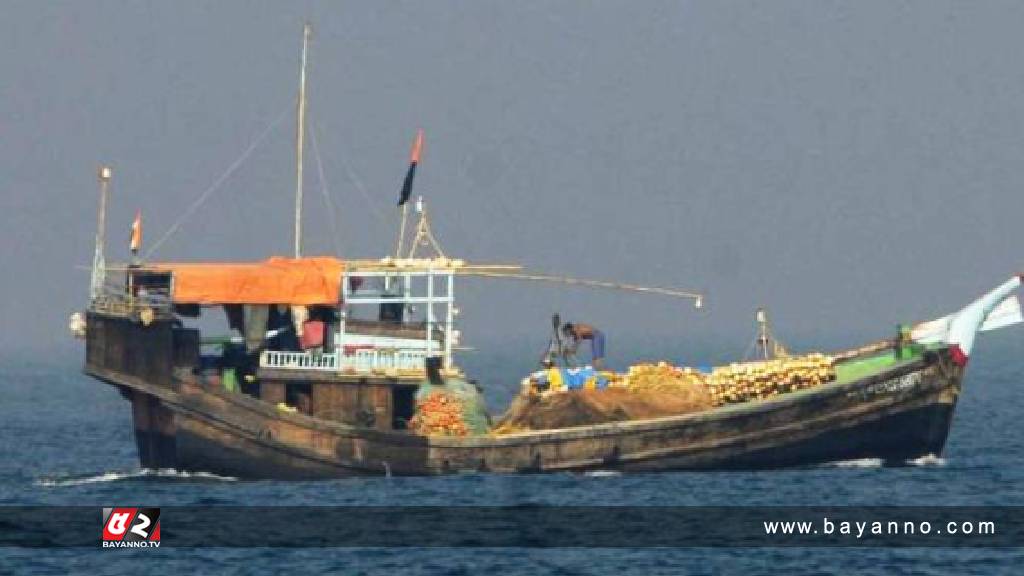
300 138
99 261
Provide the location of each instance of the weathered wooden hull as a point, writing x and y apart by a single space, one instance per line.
896 416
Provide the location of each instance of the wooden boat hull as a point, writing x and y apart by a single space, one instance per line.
898 415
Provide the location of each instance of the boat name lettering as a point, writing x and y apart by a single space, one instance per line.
900 384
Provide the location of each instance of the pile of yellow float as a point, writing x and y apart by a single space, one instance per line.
737 383
653 390
731 384
660 377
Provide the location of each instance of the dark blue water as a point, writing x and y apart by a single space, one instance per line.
65 439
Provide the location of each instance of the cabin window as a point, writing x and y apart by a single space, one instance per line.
297 394
391 312
404 398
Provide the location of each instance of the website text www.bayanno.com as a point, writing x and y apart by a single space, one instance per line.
517 526
861 528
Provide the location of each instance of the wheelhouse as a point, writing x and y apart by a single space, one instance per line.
344 341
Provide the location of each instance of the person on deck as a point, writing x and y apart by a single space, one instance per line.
579 332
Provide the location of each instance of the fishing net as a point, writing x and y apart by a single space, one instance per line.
586 407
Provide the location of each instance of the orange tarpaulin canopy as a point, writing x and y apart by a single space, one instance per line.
301 281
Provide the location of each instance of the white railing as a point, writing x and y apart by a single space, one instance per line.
377 359
361 360
299 360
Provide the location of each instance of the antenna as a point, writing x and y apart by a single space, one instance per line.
98 261
300 137
766 345
762 332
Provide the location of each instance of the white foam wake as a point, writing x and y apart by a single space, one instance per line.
927 460
858 463
602 473
162 473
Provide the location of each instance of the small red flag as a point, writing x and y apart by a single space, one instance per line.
417 147
136 240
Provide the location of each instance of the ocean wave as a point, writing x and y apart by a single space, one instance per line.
145 473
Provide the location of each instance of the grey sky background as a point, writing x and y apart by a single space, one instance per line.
847 164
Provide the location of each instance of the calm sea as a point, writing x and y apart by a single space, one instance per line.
65 439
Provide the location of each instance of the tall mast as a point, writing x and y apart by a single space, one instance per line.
300 139
98 261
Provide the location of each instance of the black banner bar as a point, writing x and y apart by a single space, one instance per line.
533 527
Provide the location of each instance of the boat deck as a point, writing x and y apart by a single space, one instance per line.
870 364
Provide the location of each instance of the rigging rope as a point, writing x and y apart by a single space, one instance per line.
331 210
351 175
217 183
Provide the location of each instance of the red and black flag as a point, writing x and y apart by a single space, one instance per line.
414 159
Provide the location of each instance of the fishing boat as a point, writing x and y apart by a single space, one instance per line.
320 375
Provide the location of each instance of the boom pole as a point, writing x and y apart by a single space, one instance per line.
698 299
300 138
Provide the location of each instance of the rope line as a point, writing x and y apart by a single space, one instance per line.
351 175
217 183
332 211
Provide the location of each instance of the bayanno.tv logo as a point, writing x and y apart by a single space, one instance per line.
131 528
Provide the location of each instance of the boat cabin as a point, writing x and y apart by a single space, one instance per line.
349 342
392 325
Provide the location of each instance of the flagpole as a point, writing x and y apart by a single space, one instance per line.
401 230
403 198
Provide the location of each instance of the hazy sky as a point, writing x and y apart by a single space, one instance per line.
847 164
